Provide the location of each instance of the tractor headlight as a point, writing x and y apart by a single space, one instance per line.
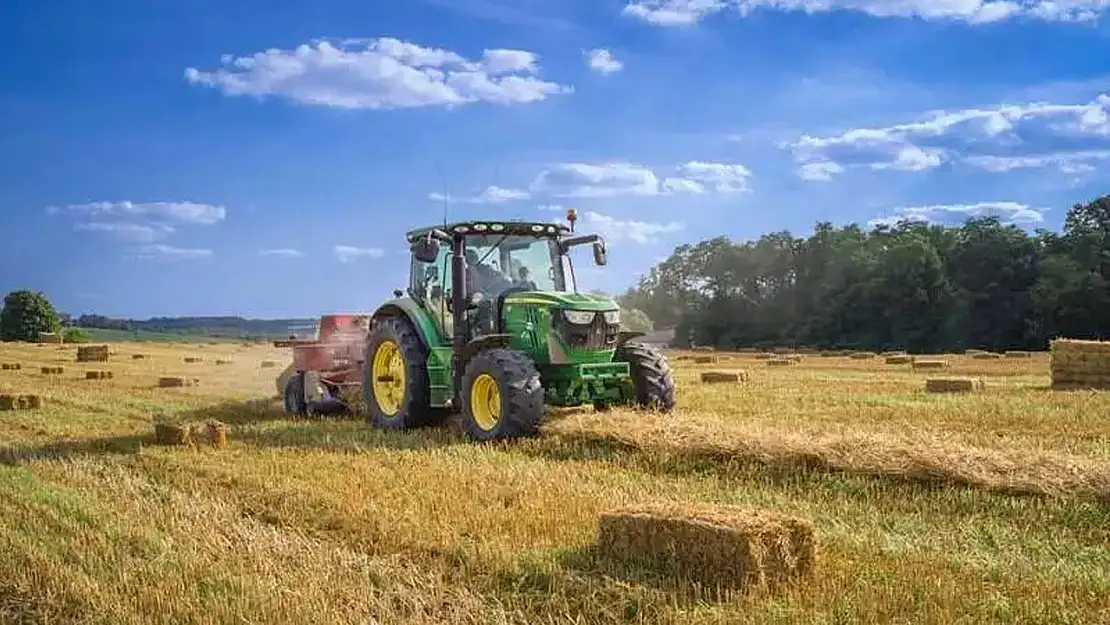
613 317
579 317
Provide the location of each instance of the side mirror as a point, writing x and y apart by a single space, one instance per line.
425 249
601 257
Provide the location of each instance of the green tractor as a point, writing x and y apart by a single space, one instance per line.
492 325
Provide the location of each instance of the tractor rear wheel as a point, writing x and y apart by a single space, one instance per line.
501 396
395 383
651 376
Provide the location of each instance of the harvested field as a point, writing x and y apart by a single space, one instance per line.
985 507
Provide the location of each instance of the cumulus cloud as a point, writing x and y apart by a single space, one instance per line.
602 61
159 250
183 212
611 179
382 73
491 195
688 12
350 254
628 230
283 252
137 233
1009 136
1007 212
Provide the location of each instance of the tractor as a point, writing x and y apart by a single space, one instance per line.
492 325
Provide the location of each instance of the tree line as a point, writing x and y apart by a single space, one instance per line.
910 285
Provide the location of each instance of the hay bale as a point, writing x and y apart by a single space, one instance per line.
899 359
897 352
216 433
763 356
7 402
52 370
706 360
862 355
929 364
11 366
986 356
1017 354
781 362
138 356
223 362
718 377
1077 364
98 375
92 353
268 364
726 547
953 385
21 402
193 359
50 337
175 382
172 434
703 348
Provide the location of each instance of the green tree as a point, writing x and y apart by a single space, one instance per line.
27 314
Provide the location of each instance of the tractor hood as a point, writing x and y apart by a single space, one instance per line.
558 299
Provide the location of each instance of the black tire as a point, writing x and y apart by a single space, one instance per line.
521 406
651 376
293 395
415 406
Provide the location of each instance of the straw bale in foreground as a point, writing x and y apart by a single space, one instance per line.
953 385
171 434
718 546
717 377
1079 364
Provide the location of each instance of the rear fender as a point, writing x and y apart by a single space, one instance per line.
419 318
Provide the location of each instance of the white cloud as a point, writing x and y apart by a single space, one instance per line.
636 231
137 233
1007 212
1007 136
349 254
382 73
283 252
184 212
602 61
167 251
611 179
689 12
492 195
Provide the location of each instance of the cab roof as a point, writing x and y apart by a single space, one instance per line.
527 228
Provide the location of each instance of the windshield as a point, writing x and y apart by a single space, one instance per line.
497 262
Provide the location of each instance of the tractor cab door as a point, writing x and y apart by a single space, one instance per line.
431 288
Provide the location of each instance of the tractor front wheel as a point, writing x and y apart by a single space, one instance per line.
395 383
652 381
502 396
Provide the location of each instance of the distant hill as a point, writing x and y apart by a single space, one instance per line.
214 327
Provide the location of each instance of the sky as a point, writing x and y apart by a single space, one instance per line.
265 158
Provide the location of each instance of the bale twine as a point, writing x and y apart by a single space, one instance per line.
172 434
52 370
899 359
98 375
953 385
92 353
862 355
719 377
706 360
11 366
726 547
929 364
1080 364
21 402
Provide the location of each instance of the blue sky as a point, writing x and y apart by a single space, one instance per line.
265 158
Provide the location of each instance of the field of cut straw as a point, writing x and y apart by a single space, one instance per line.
986 506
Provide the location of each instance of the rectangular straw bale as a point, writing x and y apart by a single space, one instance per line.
953 385
8 402
781 362
929 364
726 547
223 361
268 364
893 353
11 366
92 353
173 382
764 356
702 348
138 356
899 359
719 377
1018 354
986 356
862 355
1079 364
706 360
193 359
216 433
98 375
52 370
21 402
172 434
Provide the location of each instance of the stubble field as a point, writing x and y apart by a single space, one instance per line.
989 507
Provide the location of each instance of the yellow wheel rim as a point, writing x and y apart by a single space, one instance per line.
485 401
388 377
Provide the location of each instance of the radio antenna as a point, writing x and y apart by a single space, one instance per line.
443 185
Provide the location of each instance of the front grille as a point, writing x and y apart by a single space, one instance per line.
597 335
